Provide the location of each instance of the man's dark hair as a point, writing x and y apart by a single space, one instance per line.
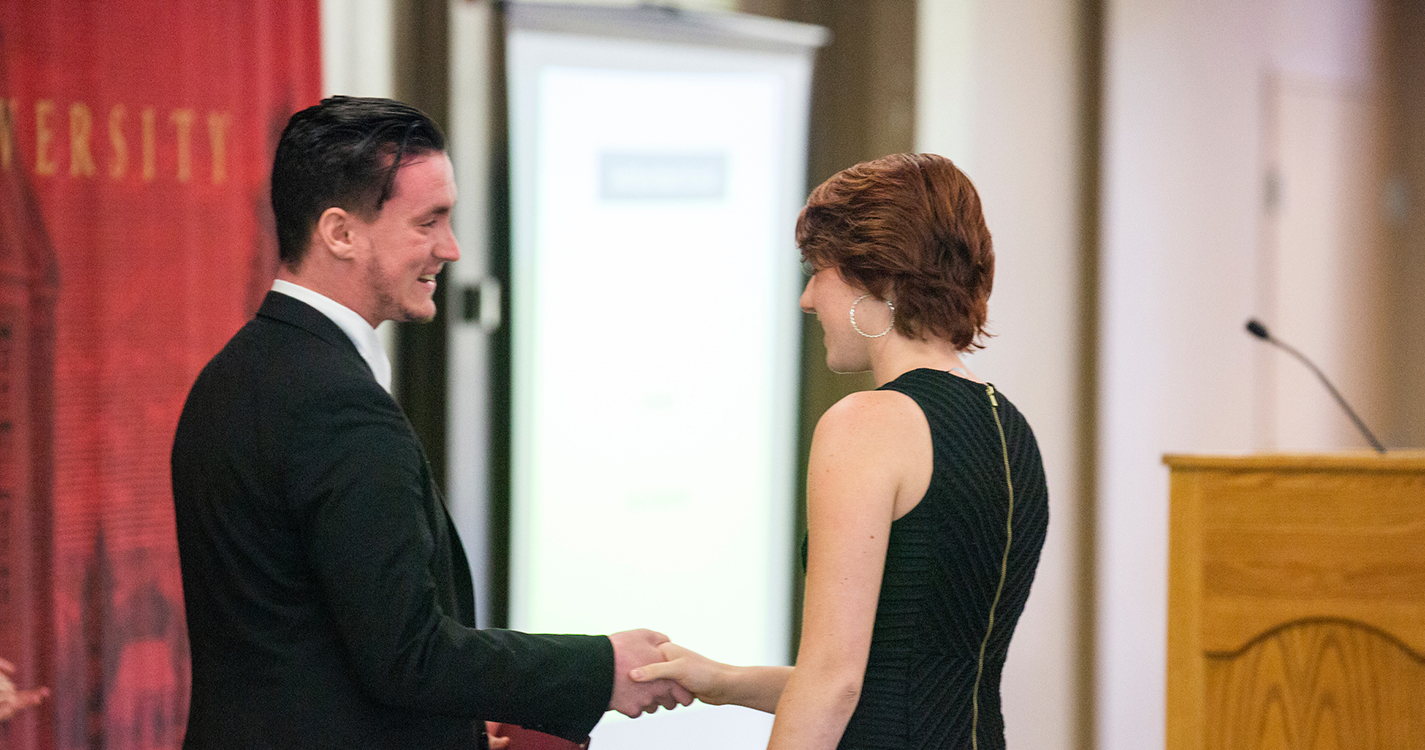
343 152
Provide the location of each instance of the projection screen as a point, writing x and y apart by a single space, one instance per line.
657 164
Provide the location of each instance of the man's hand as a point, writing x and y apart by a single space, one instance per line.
634 649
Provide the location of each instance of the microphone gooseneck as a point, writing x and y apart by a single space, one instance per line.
1255 328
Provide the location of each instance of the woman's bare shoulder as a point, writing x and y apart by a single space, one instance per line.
881 432
872 410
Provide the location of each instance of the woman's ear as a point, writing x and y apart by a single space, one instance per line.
335 230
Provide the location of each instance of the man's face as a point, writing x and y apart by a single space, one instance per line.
409 241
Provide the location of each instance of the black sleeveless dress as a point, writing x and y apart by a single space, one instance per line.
933 675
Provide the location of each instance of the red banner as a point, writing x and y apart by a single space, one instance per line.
135 237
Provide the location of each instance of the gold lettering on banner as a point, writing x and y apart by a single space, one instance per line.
218 124
150 143
44 134
81 125
113 140
182 120
116 140
7 133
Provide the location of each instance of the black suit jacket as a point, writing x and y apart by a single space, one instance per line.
329 602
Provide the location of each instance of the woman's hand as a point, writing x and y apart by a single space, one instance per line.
706 679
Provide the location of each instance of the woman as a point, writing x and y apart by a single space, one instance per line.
926 499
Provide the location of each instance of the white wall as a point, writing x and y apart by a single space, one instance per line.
357 48
997 89
1179 228
1182 222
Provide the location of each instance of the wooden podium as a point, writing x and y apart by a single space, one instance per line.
1296 602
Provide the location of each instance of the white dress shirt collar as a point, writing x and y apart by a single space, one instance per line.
368 344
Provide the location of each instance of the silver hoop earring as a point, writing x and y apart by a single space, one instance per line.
857 328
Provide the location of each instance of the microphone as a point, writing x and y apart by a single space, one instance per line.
1255 328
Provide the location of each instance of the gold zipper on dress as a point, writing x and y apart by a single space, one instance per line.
1003 572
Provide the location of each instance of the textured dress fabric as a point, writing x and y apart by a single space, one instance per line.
927 683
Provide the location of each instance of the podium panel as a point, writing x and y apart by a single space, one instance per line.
1296 602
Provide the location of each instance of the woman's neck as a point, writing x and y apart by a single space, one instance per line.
898 355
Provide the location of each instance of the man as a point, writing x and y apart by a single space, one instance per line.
329 600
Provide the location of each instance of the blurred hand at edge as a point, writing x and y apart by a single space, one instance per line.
13 701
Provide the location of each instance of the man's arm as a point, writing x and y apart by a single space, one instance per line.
372 526
373 533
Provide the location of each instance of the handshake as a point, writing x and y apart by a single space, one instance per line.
649 672
652 671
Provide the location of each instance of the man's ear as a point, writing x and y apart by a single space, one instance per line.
336 231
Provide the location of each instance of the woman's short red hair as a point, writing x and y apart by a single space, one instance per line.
907 228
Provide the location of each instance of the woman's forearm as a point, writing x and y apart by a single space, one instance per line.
755 687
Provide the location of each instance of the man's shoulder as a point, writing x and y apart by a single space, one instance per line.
283 316
264 345
275 360
284 382
284 323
